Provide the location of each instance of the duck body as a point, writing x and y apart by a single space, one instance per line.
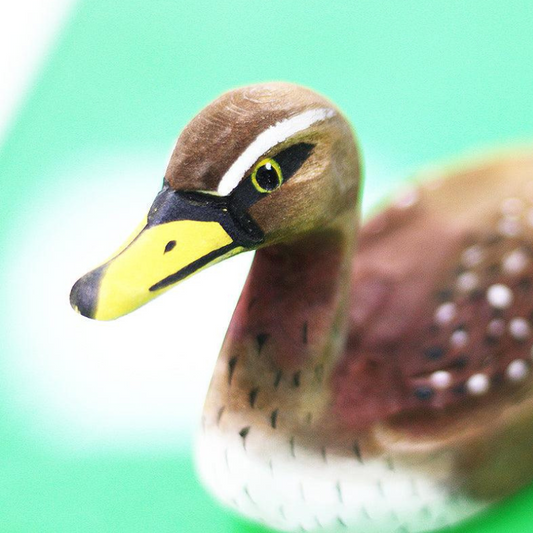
429 413
378 386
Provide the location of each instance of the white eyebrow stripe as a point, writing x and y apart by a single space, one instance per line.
266 140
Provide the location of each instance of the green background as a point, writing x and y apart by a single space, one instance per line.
421 81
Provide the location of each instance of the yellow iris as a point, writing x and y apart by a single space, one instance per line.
267 170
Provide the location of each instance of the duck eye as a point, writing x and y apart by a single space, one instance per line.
267 176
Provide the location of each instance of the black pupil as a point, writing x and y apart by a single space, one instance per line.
267 177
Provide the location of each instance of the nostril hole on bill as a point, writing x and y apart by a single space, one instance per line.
170 246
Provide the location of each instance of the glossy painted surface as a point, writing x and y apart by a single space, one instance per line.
96 432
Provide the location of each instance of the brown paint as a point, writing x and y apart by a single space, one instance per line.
327 348
336 389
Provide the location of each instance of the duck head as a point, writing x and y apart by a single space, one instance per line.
260 165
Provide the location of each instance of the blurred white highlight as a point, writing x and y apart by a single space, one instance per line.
138 382
27 31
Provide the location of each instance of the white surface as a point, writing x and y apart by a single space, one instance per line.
137 382
28 29
294 489
134 383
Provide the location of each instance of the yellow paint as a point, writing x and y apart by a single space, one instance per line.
275 166
127 279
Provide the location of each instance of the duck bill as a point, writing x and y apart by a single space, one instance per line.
180 237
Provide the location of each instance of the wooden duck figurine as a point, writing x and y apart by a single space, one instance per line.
386 390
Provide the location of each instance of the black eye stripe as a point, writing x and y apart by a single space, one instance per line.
231 211
289 160
292 158
171 206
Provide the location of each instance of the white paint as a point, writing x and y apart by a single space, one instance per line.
519 328
478 384
459 338
295 493
512 206
499 296
445 313
467 281
517 370
472 256
134 383
509 227
266 140
515 262
441 379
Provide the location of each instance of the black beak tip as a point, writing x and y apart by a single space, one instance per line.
84 293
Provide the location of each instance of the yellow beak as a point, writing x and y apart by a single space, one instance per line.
149 264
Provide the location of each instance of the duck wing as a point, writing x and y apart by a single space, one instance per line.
441 305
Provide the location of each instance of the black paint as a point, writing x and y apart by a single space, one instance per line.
261 338
84 293
231 211
339 491
323 453
459 362
170 246
525 284
434 352
231 368
253 396
357 451
267 177
444 295
491 340
459 389
341 522
192 267
424 393
296 378
274 418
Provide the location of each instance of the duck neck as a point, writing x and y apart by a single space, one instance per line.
289 326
